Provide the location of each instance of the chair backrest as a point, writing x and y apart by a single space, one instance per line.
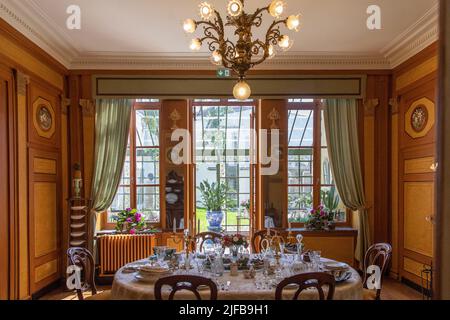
185 282
203 237
83 259
259 236
377 255
308 280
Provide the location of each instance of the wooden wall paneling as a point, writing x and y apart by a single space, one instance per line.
44 213
274 187
65 177
75 126
416 183
44 190
5 177
425 88
166 125
442 254
394 188
378 163
382 231
22 54
22 83
21 59
41 94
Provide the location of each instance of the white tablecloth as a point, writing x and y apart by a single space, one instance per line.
127 287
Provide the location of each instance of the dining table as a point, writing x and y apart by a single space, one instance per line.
127 286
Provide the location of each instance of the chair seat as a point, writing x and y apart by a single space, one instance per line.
369 294
105 295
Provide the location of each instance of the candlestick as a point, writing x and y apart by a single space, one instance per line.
174 225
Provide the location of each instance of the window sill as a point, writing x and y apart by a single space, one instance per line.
339 231
114 232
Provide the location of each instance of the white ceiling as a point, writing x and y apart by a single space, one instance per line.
147 33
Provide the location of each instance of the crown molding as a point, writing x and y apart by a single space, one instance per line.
416 38
304 62
27 17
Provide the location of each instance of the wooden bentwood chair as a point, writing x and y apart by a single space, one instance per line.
83 259
308 280
258 238
185 282
205 237
379 255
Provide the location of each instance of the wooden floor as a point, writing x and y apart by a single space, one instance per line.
392 290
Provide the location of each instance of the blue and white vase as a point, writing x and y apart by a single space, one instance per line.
214 219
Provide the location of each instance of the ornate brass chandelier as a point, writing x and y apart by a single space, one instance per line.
245 53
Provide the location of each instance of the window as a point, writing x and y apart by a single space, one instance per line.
140 183
222 154
310 180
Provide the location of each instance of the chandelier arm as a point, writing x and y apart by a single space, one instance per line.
257 45
259 12
219 22
229 49
256 18
274 33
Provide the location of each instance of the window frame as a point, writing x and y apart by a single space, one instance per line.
226 103
137 106
317 106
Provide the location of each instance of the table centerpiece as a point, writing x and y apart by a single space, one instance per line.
235 243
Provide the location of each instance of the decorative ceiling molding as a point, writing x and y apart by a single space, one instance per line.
304 62
30 20
413 40
26 17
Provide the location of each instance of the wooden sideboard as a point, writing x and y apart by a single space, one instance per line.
339 244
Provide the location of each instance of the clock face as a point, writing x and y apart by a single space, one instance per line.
171 198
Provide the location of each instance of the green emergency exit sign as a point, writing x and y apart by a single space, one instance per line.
223 73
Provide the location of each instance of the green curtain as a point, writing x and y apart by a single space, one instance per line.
341 126
112 127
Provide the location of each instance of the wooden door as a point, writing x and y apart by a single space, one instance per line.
4 189
417 182
44 186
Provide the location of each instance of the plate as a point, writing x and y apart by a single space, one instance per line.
171 198
144 279
335 266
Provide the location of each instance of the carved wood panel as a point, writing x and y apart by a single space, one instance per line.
417 154
4 186
44 218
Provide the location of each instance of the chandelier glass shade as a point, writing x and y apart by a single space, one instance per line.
246 52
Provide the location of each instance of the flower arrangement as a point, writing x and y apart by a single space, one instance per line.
318 219
234 240
246 204
130 221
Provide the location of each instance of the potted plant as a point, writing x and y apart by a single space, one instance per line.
129 221
215 198
330 201
318 219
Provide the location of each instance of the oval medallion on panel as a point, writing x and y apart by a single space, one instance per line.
44 118
420 118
